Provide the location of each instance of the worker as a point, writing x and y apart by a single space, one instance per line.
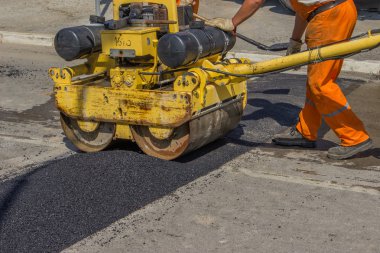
325 22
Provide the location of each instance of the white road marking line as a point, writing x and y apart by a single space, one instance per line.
309 182
46 40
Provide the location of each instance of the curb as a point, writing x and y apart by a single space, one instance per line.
364 67
32 39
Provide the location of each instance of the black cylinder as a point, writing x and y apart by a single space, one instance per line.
179 49
76 42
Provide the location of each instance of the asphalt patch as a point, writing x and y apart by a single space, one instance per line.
43 114
61 203
15 72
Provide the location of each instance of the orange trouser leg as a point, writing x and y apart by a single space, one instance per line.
324 97
309 119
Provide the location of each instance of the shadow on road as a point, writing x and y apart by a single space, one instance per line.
68 200
368 15
270 110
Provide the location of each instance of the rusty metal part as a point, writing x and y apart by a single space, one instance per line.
151 22
192 135
94 141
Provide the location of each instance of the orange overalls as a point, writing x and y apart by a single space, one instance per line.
324 98
195 6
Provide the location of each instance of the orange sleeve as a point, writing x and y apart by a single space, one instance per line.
195 5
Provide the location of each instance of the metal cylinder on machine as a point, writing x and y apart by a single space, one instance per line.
77 42
179 49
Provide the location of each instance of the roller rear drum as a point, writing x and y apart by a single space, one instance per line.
190 136
88 136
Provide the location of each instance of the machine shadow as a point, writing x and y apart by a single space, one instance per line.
375 153
369 15
69 145
75 197
9 195
285 114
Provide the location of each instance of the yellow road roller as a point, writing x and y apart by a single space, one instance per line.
155 76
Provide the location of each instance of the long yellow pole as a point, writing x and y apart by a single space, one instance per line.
307 57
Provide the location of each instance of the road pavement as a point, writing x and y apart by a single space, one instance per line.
238 194
28 121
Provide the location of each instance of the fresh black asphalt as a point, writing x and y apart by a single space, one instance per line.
65 201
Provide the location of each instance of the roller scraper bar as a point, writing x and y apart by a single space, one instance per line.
358 44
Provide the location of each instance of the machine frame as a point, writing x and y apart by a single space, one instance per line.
145 97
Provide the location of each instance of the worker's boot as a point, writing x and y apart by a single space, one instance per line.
293 138
341 152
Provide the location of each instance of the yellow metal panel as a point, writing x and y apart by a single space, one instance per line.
96 64
209 88
130 77
88 126
139 40
136 107
123 131
100 63
215 94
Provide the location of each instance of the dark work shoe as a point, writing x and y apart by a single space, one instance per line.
293 138
341 152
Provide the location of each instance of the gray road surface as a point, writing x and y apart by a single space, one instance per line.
239 194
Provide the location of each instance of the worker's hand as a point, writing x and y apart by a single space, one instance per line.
294 47
224 24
